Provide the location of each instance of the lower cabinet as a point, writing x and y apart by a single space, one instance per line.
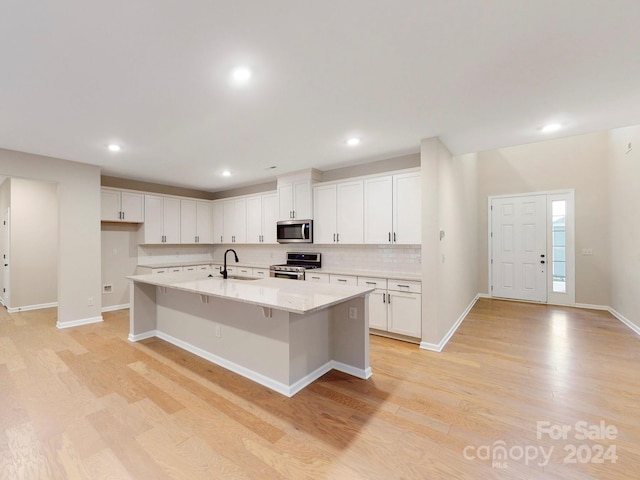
395 306
316 277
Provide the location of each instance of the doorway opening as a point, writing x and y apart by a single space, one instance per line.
532 247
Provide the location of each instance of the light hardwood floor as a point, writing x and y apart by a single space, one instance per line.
85 403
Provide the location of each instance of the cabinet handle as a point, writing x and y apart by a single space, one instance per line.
341 280
383 301
220 238
123 215
389 298
389 237
338 237
371 283
402 286
315 278
394 237
334 237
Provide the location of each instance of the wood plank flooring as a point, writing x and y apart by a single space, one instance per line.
85 403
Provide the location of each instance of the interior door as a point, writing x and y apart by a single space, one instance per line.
519 247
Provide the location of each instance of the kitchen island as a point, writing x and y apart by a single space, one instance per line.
281 333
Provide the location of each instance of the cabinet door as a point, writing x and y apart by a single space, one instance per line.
269 218
203 222
302 200
407 225
378 310
285 201
153 225
241 220
350 212
188 219
109 206
229 221
218 222
324 214
378 210
254 219
405 313
132 207
171 220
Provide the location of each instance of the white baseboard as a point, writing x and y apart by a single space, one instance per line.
115 307
588 306
440 346
76 323
142 336
31 307
625 320
356 372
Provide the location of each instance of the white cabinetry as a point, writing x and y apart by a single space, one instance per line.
121 206
262 215
195 221
395 306
235 220
338 213
392 209
162 220
316 277
218 221
343 279
295 196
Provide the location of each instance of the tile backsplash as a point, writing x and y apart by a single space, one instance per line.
155 254
375 258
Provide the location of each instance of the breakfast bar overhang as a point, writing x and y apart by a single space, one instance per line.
279 333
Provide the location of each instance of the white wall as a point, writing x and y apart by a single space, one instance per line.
578 162
449 265
5 201
624 226
79 228
34 243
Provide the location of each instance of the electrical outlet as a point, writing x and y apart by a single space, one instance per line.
587 251
218 331
353 313
90 301
107 288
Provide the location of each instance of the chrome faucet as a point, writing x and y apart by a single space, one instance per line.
224 272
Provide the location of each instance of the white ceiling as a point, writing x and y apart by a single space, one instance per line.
153 76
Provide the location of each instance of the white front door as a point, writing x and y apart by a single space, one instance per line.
5 260
519 247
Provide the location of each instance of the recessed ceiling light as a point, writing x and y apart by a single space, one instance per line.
353 141
552 127
226 173
241 75
114 147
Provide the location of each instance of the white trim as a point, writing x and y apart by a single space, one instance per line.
440 346
587 306
115 307
356 372
142 336
31 307
304 381
625 320
76 323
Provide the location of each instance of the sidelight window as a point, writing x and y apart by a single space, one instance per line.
559 245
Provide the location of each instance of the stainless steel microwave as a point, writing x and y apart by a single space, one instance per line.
295 231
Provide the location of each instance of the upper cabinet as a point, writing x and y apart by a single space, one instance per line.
235 220
262 215
392 209
195 221
339 213
295 199
217 208
162 220
121 206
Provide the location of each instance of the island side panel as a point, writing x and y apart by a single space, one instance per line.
142 311
310 345
249 344
350 337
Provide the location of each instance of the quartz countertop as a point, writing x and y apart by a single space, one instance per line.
200 262
282 294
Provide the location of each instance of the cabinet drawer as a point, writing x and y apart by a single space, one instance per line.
343 280
244 271
190 268
175 269
405 286
159 271
316 277
380 283
261 272
203 267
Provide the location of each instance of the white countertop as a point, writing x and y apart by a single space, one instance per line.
202 262
282 294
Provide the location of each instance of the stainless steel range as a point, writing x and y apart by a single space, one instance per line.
297 263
